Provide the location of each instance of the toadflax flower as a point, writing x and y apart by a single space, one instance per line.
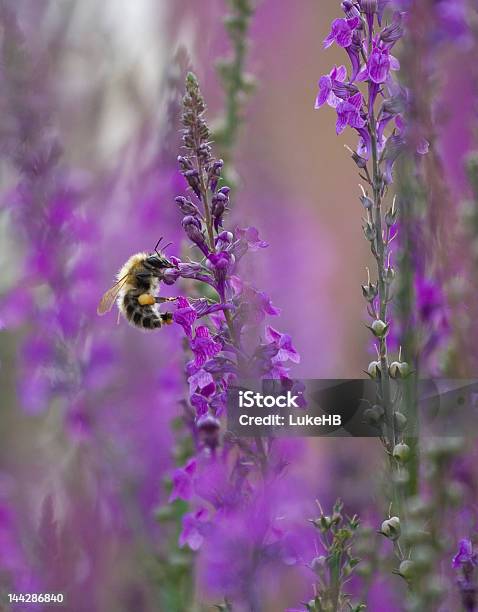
221 486
466 561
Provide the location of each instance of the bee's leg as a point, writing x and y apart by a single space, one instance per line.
162 300
167 318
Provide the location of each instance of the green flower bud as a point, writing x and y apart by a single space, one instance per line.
389 275
399 369
373 369
401 452
370 291
391 216
400 421
379 328
407 569
391 528
369 231
374 415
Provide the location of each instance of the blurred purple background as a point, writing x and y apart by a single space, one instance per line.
88 128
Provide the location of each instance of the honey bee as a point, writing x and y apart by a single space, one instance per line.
135 291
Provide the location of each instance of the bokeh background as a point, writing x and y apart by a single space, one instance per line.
89 113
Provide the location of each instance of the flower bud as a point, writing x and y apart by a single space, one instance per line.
214 174
360 161
407 569
369 231
374 415
186 206
389 275
400 421
373 369
369 7
366 202
370 291
391 33
391 216
401 452
399 369
350 9
379 328
192 227
192 177
391 528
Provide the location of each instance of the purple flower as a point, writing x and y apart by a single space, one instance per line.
284 343
379 65
200 380
194 525
251 236
465 555
326 83
348 113
204 346
183 481
185 315
341 32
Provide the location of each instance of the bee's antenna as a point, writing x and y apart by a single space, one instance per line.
168 245
157 245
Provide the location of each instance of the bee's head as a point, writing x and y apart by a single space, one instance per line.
158 260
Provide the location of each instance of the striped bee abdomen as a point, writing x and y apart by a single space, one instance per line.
145 317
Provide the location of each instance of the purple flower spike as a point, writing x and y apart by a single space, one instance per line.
348 113
341 32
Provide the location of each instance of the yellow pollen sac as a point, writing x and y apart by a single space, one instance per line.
145 299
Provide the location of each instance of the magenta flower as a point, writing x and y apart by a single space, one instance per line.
251 236
284 344
465 555
348 113
378 66
185 315
183 481
326 83
342 32
194 525
204 346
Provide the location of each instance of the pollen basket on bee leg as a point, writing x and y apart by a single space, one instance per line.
146 299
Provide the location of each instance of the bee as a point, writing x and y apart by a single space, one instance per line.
135 291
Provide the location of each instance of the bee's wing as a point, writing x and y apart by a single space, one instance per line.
110 296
